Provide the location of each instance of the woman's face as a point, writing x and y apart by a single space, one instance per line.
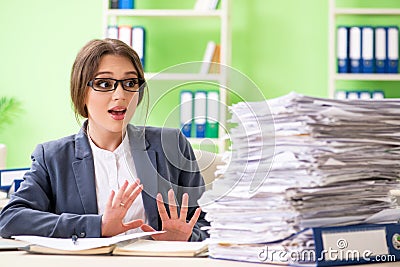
109 112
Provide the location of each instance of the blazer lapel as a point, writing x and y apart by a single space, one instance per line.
146 168
83 169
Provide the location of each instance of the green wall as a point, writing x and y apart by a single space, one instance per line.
39 41
280 44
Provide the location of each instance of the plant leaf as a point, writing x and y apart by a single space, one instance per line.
10 108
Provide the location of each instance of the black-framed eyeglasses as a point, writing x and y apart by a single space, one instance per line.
109 84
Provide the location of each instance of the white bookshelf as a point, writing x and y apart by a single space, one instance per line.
367 77
223 15
186 13
182 76
333 76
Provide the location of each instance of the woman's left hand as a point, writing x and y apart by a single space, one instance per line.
176 227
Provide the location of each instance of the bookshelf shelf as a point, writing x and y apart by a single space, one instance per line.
182 76
188 13
222 15
333 76
367 77
199 141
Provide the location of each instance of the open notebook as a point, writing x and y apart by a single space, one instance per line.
119 245
9 244
162 249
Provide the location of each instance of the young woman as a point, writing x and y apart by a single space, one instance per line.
88 184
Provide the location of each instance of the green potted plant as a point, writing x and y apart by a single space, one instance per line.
9 110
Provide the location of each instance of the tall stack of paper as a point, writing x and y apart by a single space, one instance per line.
300 162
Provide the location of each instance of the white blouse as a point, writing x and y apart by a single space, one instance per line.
111 170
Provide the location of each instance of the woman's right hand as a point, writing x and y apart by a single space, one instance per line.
116 208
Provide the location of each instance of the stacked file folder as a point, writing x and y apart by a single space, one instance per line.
200 109
300 162
122 4
359 94
134 36
365 49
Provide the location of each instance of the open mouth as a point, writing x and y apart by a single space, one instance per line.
117 113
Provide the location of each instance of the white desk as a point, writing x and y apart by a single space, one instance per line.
19 258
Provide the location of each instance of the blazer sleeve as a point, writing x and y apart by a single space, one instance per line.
32 211
191 179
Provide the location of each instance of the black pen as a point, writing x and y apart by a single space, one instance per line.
75 239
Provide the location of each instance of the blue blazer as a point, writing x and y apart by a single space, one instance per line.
58 195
